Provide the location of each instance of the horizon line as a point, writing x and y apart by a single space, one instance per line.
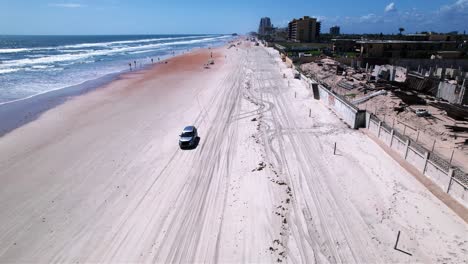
145 34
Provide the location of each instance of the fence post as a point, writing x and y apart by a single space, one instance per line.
391 138
450 174
368 123
426 160
407 148
380 125
451 157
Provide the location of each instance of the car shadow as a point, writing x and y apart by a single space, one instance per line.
197 141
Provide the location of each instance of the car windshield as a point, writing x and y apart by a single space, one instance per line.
187 134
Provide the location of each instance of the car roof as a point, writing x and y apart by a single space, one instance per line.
189 129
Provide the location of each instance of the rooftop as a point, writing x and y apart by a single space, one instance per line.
400 42
343 39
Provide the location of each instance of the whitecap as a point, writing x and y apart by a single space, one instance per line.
3 71
14 50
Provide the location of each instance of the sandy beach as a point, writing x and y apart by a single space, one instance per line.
101 178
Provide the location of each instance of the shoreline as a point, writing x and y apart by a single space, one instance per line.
17 113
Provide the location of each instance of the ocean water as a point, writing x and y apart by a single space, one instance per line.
31 65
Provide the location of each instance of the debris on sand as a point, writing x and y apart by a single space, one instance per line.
254 119
260 167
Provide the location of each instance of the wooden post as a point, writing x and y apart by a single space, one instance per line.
391 137
407 148
417 137
393 123
310 112
426 160
380 125
433 145
294 94
404 130
450 174
396 246
451 157
334 149
397 239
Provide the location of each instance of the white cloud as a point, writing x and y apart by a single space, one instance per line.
390 7
460 6
370 18
455 14
67 5
367 17
319 18
445 18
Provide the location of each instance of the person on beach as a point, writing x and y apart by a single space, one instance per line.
130 64
151 60
211 55
134 63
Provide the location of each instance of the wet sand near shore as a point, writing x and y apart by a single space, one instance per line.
20 112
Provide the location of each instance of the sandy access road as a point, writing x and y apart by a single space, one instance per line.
101 178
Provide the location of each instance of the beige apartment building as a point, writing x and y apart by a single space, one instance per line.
304 29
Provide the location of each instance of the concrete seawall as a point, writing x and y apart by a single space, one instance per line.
349 113
424 161
451 180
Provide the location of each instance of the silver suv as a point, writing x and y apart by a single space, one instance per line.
188 138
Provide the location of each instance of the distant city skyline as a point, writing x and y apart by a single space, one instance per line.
208 16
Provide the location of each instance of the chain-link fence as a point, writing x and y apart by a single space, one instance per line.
415 143
448 153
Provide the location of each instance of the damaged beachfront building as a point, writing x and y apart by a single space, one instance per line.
431 64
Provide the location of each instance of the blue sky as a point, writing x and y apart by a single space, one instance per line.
210 16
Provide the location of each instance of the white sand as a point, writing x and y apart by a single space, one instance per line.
101 178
